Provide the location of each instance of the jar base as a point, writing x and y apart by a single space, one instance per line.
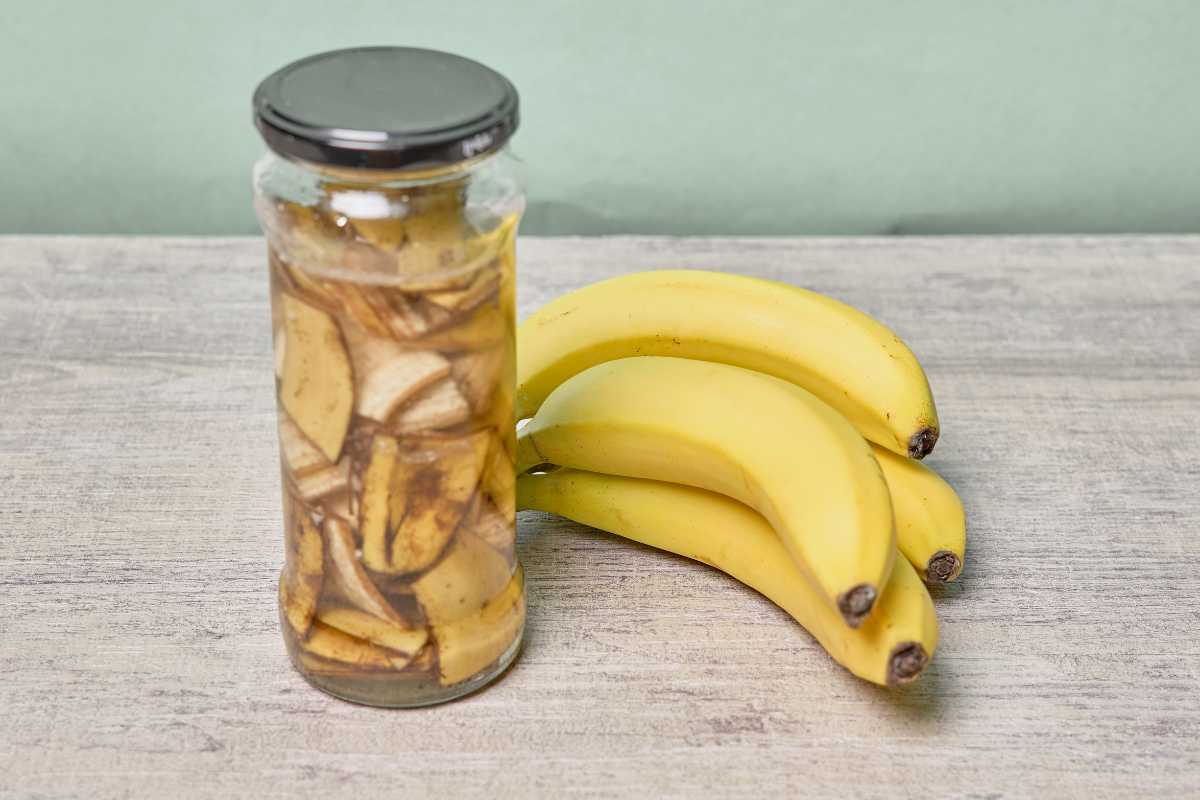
396 691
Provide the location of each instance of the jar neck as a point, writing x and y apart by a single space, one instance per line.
457 172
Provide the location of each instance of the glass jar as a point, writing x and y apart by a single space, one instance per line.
390 209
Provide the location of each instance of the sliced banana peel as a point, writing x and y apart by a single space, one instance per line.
303 572
483 286
500 478
356 304
317 387
438 492
440 406
300 456
378 486
336 645
311 288
332 480
496 528
406 321
472 643
280 351
343 505
470 574
477 375
435 244
426 660
403 641
484 328
346 573
503 418
388 375
386 234
412 212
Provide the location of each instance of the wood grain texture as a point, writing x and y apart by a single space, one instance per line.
140 542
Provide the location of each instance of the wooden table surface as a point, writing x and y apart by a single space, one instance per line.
140 542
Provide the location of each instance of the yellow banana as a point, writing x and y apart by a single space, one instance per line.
750 436
931 528
843 356
893 646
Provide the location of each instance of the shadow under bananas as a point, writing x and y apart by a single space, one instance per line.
552 549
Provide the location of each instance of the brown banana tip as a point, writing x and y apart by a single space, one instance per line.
908 660
943 567
922 442
856 603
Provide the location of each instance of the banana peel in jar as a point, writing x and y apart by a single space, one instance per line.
433 317
359 306
379 485
402 204
491 525
310 289
508 276
397 503
346 573
364 306
300 456
332 480
440 406
386 233
433 256
303 573
312 237
402 641
386 376
503 418
404 314
483 286
500 478
437 496
343 505
332 644
319 236
310 234
410 509
280 351
469 574
426 660
436 243
443 279
477 375
445 256
317 385
392 312
313 224
378 311
470 644
307 470
485 327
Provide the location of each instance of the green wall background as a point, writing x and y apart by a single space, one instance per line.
758 117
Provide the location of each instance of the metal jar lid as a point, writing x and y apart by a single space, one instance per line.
385 108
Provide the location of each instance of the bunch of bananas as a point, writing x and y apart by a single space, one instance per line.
763 429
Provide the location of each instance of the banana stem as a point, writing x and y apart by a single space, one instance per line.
855 604
943 567
907 661
922 442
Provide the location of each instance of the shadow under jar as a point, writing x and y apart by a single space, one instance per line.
390 209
